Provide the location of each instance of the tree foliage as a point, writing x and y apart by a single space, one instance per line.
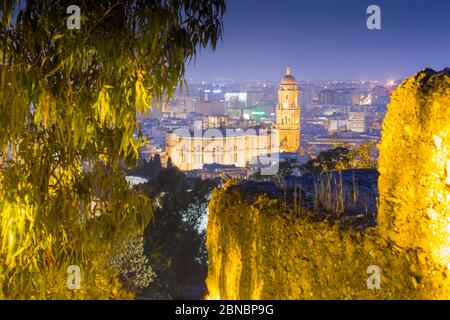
175 240
343 156
68 106
147 168
135 271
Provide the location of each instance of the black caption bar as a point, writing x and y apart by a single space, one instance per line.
235 310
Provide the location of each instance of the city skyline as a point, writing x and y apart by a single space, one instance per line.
324 41
179 150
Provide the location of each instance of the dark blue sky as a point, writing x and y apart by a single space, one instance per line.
328 40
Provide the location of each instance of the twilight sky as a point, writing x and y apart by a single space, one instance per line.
328 40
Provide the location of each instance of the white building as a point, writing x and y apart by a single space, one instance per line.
357 121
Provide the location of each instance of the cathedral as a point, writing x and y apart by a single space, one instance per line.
288 114
234 146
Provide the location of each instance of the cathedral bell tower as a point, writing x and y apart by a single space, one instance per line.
288 114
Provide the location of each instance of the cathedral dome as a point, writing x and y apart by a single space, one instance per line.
288 79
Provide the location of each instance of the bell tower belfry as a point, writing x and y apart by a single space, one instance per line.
288 114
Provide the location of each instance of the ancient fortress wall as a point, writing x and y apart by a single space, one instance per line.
257 250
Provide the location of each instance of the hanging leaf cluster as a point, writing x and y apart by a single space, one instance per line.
68 130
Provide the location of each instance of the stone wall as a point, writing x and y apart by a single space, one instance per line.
414 164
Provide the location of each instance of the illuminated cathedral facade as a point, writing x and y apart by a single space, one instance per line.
190 151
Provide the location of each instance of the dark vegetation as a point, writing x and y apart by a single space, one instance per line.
175 239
